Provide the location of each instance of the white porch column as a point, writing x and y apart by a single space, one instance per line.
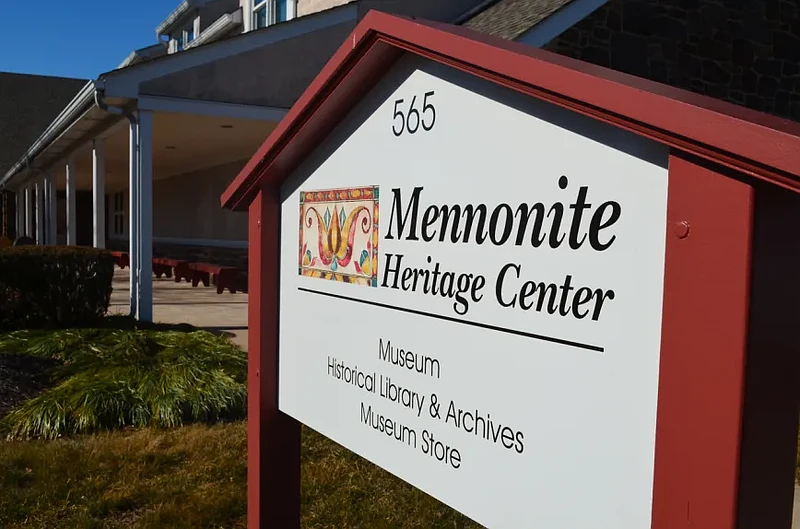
50 209
71 190
40 210
29 218
145 203
99 193
133 214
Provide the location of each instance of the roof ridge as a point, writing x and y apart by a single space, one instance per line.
25 74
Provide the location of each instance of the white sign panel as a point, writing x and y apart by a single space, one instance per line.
471 292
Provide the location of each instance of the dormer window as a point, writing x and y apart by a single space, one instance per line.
268 12
184 37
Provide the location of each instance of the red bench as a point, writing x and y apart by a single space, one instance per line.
121 259
166 266
220 276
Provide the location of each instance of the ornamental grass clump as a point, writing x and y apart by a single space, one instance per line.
114 378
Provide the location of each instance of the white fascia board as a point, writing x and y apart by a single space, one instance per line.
210 108
128 60
143 53
560 21
176 16
125 83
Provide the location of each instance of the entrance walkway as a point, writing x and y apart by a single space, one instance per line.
181 303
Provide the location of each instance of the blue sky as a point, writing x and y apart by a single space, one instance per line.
76 38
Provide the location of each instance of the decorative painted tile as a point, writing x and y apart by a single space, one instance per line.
339 235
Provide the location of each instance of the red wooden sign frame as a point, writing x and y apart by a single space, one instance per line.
727 405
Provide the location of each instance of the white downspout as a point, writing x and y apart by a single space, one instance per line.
133 185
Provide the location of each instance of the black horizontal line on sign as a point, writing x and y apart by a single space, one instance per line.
551 339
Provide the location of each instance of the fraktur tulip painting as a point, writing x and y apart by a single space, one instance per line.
339 235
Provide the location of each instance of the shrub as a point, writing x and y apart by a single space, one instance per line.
113 378
53 286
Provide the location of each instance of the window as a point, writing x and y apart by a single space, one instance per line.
281 10
118 214
260 15
268 12
184 37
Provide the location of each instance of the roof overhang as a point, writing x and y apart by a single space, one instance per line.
83 120
125 83
751 142
142 54
79 119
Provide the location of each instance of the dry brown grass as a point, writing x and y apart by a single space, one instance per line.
194 477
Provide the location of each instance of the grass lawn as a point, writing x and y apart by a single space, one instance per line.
115 375
119 427
194 477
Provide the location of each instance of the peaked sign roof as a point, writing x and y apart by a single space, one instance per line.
751 142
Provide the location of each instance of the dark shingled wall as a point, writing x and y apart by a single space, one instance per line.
28 104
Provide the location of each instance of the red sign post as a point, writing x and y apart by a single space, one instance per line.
727 414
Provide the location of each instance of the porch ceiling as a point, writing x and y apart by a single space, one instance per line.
182 143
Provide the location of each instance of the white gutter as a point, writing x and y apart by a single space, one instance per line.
149 52
79 104
179 11
176 16
219 28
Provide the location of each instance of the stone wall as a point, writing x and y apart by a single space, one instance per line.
187 205
743 51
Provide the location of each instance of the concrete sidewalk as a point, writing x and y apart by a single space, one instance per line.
181 303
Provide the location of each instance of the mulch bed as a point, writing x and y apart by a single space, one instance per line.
21 378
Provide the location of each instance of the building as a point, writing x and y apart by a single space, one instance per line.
43 97
742 51
178 119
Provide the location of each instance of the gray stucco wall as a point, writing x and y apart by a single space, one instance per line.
306 7
213 10
187 206
274 75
